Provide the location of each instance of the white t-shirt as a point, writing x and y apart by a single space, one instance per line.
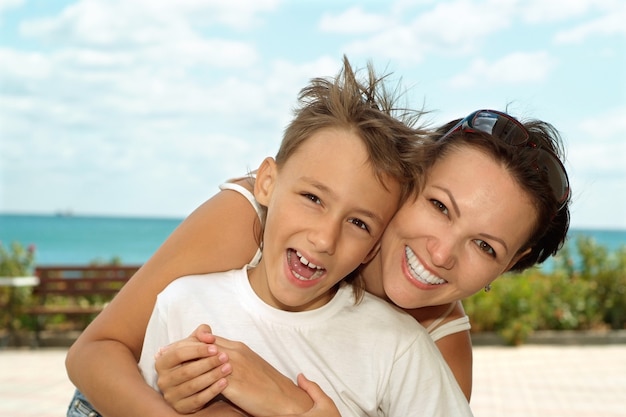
370 358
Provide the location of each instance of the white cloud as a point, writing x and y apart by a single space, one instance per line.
460 24
353 21
597 167
459 27
144 106
149 114
109 35
126 23
6 5
610 23
539 11
596 203
599 158
610 123
10 4
515 68
450 28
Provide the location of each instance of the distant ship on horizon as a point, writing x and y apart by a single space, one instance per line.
64 213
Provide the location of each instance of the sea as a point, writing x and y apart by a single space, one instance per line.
77 240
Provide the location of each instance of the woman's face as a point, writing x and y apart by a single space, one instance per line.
463 231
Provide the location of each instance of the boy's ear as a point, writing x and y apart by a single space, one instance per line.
372 253
264 183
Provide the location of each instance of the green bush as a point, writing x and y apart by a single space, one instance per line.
590 294
15 261
18 260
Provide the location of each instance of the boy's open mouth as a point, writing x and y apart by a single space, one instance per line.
302 268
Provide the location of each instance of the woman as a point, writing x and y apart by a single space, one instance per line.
487 207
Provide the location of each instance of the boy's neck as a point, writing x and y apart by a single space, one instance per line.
260 285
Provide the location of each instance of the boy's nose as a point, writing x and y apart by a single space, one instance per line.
324 235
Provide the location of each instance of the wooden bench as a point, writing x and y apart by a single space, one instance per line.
75 290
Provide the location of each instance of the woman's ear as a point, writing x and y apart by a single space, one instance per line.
264 182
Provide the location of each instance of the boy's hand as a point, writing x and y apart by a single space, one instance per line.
191 372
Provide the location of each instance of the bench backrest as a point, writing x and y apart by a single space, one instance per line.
83 280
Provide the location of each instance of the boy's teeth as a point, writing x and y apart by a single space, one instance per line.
306 262
418 271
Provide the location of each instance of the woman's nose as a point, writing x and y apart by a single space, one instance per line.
441 253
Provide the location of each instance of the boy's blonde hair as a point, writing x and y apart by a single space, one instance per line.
366 108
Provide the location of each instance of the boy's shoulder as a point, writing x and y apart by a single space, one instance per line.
201 283
379 312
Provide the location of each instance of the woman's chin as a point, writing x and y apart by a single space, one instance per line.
409 299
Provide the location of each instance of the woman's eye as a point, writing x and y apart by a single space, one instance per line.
360 224
315 199
486 247
439 206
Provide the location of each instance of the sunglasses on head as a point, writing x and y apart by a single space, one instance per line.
512 132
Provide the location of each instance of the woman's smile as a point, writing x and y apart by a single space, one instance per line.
419 273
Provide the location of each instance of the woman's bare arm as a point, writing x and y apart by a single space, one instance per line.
198 245
457 351
102 363
456 348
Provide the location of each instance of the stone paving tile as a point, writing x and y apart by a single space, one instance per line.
528 381
541 381
34 383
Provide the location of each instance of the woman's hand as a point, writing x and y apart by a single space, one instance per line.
323 405
191 372
224 409
257 387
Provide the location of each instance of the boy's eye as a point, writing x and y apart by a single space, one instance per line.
439 206
360 224
315 199
486 247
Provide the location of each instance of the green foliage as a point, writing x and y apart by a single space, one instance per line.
115 260
589 294
20 261
17 261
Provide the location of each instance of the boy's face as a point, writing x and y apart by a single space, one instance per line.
326 212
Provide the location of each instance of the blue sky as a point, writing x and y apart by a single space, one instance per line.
142 107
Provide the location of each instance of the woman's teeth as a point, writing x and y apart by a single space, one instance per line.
419 272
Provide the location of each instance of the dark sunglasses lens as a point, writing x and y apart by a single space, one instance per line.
501 126
555 174
509 130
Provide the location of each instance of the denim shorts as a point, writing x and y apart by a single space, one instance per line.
80 407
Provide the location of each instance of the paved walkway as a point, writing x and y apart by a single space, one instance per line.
529 381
